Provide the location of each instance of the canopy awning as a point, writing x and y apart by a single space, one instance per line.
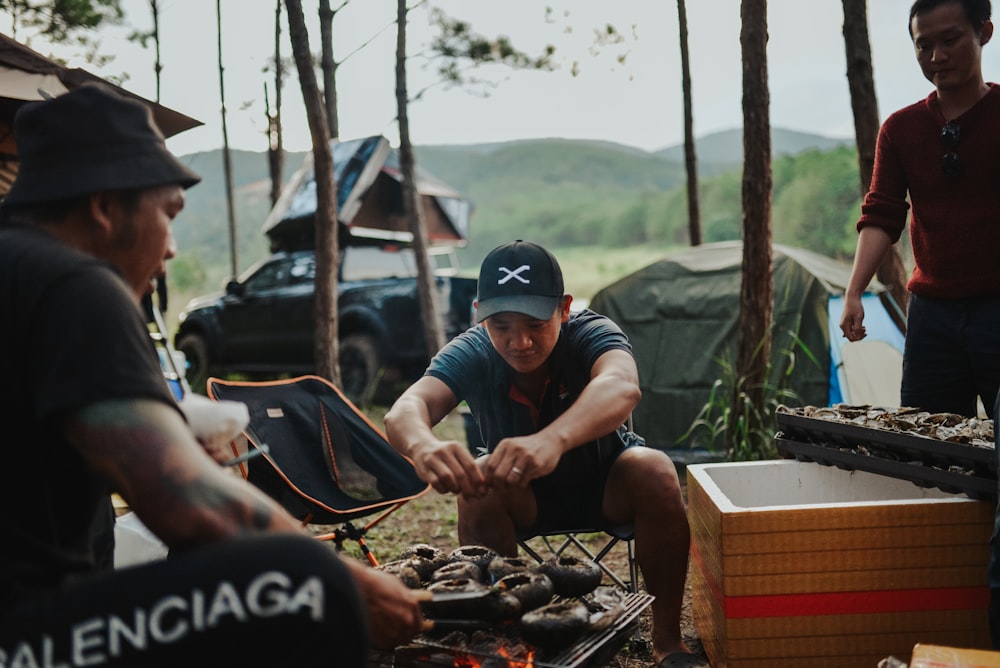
25 72
369 199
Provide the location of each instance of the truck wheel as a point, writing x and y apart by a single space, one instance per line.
195 349
359 367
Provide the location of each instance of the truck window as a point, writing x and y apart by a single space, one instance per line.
270 276
303 270
367 262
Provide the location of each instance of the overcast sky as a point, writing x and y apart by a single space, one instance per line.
634 100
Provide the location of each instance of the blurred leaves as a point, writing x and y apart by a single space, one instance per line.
458 51
58 20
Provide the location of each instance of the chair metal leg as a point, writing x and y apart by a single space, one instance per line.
632 586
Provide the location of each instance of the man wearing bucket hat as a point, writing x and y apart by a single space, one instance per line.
551 392
84 231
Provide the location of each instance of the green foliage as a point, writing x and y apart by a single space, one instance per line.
58 20
816 195
731 421
457 49
565 194
558 192
187 273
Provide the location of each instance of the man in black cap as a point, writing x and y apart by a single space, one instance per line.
551 392
84 231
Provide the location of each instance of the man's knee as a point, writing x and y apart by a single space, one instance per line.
493 519
640 471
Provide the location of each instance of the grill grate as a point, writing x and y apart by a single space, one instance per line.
951 467
592 650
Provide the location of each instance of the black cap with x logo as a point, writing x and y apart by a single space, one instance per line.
519 277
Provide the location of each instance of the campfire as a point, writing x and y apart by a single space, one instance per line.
488 611
503 648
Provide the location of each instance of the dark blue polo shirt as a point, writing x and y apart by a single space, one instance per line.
478 375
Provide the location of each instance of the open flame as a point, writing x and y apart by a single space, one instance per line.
511 655
480 650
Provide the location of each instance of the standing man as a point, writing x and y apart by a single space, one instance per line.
84 231
550 391
942 154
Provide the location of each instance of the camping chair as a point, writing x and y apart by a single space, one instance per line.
556 543
324 460
565 539
571 538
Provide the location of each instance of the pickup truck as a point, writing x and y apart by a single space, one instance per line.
262 324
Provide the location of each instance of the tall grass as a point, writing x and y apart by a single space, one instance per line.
732 422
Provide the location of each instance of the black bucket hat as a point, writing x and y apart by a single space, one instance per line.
88 140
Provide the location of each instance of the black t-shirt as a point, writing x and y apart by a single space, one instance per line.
71 335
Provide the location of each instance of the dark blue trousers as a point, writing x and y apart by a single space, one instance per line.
952 355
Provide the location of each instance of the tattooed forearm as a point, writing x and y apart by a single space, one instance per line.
149 454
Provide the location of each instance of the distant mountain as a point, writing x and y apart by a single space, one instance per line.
546 162
573 189
726 147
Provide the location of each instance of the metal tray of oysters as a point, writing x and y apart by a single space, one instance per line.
951 452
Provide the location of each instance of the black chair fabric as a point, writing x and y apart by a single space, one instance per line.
326 462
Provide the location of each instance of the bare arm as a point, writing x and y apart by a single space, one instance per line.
873 244
603 406
446 465
148 453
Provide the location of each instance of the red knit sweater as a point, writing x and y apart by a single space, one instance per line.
955 224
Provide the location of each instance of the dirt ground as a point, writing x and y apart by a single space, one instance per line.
431 519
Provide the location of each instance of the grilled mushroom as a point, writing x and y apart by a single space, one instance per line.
404 570
457 570
571 576
555 625
477 554
503 566
493 604
533 590
461 608
431 558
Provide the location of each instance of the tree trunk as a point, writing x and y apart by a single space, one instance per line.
862 86
276 144
757 291
325 313
227 163
329 67
690 160
429 311
154 8
864 104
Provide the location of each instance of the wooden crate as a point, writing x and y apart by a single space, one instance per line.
798 564
935 656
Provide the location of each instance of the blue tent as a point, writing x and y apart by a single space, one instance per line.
867 371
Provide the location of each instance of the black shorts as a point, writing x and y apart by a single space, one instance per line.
572 496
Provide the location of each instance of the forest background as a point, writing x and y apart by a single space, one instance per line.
606 209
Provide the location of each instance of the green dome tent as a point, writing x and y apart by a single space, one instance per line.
681 315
